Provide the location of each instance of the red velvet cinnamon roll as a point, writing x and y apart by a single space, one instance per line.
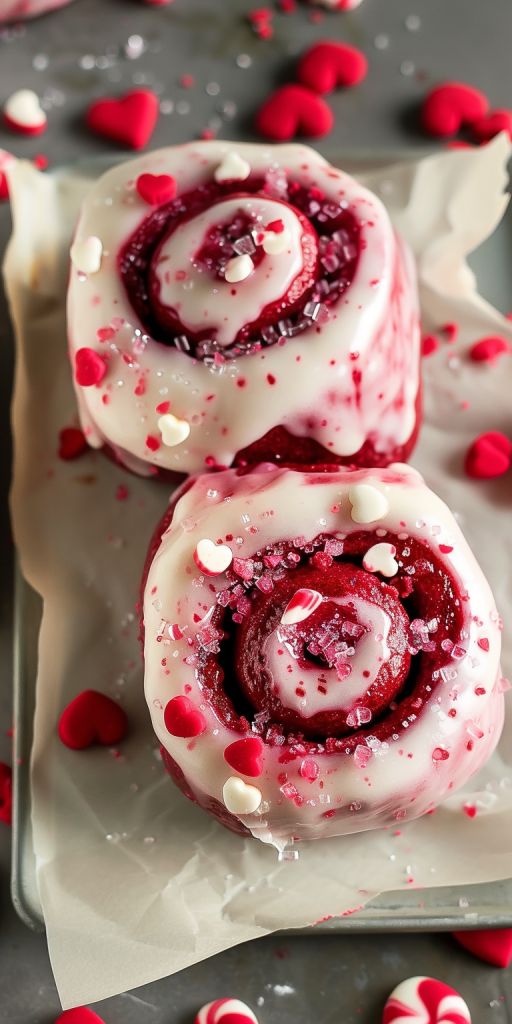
321 650
239 303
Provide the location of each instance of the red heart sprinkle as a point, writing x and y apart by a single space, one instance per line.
488 456
90 368
131 119
182 718
90 718
429 344
156 189
445 549
483 643
79 1015
72 443
494 947
487 350
327 66
246 756
447 108
5 793
294 110
496 121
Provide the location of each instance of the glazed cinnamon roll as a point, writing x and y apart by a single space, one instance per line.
230 304
321 650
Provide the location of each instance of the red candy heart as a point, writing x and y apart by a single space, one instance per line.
487 350
90 368
182 718
294 110
489 456
79 1015
92 718
495 947
72 443
327 66
5 793
246 756
496 121
156 189
447 108
130 119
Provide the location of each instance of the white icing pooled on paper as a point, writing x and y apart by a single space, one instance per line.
401 778
310 689
314 392
200 299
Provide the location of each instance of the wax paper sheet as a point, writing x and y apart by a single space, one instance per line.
135 881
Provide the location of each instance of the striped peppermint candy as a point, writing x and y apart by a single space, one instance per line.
425 1001
227 1011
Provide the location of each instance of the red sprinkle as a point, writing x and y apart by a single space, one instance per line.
72 443
483 643
294 110
327 66
496 121
246 756
156 189
488 350
90 368
122 492
90 718
131 119
449 107
182 718
445 549
451 331
488 456
429 344
152 443
270 378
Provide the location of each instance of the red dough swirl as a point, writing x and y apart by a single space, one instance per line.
321 650
236 305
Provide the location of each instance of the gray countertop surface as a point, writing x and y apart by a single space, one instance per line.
80 53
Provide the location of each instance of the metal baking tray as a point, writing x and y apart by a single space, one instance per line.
440 909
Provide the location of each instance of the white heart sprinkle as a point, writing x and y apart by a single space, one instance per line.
301 606
368 504
213 559
23 109
381 558
238 269
173 430
86 254
232 168
274 243
239 797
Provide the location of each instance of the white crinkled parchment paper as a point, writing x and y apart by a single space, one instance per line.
135 881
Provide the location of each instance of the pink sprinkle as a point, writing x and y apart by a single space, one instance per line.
122 492
309 769
140 387
105 333
362 755
440 754
187 81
